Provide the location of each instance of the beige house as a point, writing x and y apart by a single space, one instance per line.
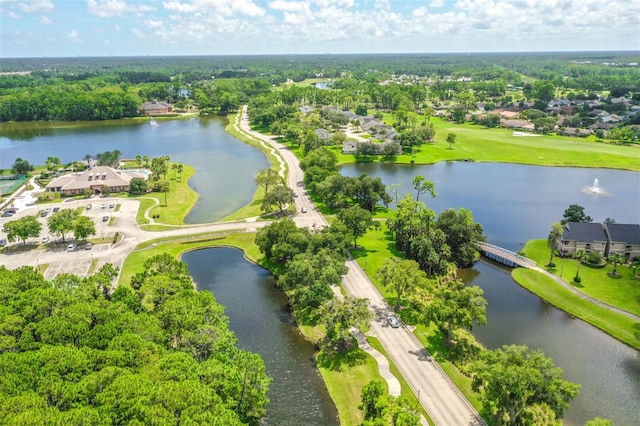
350 146
606 239
156 108
589 237
623 239
93 179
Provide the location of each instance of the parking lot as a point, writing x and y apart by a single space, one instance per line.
51 250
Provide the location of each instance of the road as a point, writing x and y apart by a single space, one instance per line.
437 394
435 391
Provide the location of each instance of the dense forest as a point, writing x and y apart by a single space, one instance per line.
72 351
111 88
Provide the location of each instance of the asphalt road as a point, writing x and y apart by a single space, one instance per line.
438 395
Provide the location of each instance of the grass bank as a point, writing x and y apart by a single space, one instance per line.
344 375
623 292
477 143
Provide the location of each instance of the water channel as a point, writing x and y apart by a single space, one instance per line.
514 203
259 317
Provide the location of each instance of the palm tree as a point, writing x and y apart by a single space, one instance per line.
579 255
139 160
616 259
146 160
180 169
174 167
635 266
87 158
552 240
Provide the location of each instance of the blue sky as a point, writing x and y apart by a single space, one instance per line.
37 28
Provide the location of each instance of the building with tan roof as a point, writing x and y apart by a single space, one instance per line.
94 179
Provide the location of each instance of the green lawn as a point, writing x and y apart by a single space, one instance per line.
619 326
345 374
180 199
622 291
477 143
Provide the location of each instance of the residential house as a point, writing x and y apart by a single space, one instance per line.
157 108
575 131
350 146
518 124
623 239
93 179
323 135
590 237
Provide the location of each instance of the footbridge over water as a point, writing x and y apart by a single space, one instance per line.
504 256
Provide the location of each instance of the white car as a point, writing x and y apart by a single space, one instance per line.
103 206
71 247
45 239
393 321
303 209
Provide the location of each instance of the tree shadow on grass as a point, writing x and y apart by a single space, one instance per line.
338 360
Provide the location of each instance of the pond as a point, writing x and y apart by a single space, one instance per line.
224 166
516 203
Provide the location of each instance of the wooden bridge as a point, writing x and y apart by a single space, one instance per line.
505 256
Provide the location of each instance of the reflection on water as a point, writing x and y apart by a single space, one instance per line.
259 317
517 203
224 166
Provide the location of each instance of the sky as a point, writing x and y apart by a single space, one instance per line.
55 28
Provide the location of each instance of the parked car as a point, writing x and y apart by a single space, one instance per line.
3 243
88 207
295 194
55 209
7 214
45 239
105 218
103 206
43 213
48 210
393 321
112 205
303 209
71 247
88 246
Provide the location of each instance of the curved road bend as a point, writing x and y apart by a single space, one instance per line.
438 395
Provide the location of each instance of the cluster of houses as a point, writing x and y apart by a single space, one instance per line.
602 120
94 179
604 238
379 131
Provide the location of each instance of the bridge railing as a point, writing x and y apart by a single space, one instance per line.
499 249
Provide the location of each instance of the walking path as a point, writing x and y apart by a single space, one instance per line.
439 396
584 296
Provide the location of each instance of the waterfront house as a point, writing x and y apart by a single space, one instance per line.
589 237
156 108
623 239
93 179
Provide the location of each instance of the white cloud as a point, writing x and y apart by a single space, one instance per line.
421 11
224 7
31 6
73 36
151 23
112 8
136 32
44 20
436 3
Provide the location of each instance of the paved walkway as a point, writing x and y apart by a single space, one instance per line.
584 296
435 391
